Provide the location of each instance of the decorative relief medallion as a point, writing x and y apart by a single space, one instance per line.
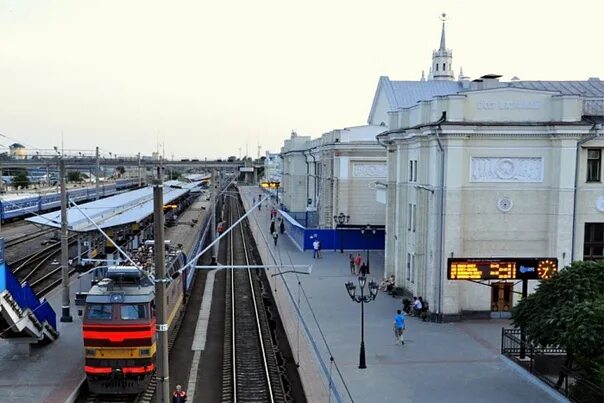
369 170
600 204
505 204
506 169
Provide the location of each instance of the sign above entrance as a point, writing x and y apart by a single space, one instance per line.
501 268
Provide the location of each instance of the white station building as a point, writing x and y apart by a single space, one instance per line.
486 169
334 175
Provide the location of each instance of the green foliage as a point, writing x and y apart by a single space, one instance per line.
20 180
74 176
567 310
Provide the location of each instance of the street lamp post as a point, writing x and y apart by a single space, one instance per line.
341 219
362 299
364 230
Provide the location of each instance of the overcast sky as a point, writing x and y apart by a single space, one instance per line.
208 77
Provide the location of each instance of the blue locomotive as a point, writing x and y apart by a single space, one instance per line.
20 208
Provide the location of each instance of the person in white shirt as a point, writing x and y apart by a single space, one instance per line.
315 249
417 305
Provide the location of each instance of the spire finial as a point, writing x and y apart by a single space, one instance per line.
443 18
423 76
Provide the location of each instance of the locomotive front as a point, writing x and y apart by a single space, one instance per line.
119 332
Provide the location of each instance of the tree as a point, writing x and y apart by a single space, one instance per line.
20 180
567 310
74 176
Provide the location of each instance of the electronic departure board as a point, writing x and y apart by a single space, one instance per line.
501 268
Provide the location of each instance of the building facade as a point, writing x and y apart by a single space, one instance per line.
488 169
334 174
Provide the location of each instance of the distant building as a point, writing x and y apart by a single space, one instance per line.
18 151
272 167
335 173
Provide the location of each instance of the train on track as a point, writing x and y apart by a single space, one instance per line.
22 207
119 326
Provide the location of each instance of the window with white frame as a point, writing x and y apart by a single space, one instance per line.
413 268
408 266
413 216
409 217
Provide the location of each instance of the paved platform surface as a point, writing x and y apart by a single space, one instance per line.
454 362
53 372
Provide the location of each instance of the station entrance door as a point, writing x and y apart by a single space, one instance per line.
502 300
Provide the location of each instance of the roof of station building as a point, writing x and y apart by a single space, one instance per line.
126 208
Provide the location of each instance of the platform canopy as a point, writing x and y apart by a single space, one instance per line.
126 208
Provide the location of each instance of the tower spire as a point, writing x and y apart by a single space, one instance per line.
443 18
442 59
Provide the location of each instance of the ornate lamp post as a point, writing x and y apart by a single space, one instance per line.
368 228
341 219
362 299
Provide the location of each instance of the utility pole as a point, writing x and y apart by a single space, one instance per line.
139 170
98 170
213 218
65 316
163 371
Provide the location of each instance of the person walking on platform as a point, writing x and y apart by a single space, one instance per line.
351 260
399 326
315 249
275 237
364 270
357 263
281 227
179 395
272 227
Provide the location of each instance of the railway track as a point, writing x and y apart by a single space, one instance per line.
26 237
250 369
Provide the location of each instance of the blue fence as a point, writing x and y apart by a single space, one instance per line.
335 239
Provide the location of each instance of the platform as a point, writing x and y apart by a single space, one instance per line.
453 362
53 372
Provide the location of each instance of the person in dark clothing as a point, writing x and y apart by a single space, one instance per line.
281 227
275 237
272 227
364 269
179 395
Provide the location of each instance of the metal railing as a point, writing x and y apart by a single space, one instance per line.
549 364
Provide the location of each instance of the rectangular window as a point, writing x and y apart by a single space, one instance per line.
409 218
133 311
594 165
593 245
408 266
413 268
414 216
99 311
410 171
415 171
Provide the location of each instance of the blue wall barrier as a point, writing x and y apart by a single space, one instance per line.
330 238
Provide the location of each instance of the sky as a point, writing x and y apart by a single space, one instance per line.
210 79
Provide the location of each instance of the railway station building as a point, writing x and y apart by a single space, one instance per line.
485 169
334 175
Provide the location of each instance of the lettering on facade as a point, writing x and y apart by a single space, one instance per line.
507 105
369 170
506 169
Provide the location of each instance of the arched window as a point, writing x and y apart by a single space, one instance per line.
436 66
444 68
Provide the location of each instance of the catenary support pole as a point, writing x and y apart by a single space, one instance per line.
97 173
213 217
163 384
65 315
